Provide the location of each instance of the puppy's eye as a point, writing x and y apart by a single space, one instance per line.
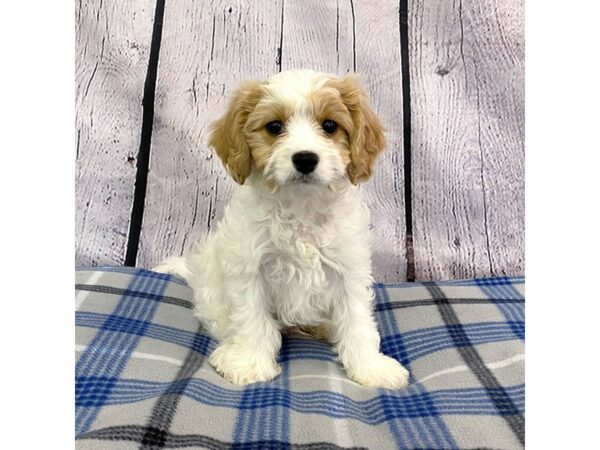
329 126
275 127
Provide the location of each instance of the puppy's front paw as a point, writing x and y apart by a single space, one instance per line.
241 365
379 371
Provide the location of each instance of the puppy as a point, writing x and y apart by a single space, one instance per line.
293 245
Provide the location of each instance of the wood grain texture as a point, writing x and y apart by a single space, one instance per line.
207 49
342 37
318 35
377 56
467 64
112 44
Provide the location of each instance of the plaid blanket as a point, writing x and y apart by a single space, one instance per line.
143 379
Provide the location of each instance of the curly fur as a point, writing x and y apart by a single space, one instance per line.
291 249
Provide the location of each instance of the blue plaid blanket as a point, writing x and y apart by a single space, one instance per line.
143 379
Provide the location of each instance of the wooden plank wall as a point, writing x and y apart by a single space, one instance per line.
446 77
111 61
466 64
206 50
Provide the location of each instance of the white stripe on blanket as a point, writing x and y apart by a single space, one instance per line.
141 355
336 380
82 294
494 365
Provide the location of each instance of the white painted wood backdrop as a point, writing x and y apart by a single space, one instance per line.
466 67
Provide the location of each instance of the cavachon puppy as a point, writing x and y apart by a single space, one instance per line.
293 246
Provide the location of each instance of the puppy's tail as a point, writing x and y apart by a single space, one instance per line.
174 265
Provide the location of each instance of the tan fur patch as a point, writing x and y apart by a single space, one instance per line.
267 110
262 143
327 104
367 138
228 136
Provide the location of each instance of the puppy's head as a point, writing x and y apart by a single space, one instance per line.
299 127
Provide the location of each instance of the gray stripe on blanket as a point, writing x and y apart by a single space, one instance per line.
137 433
118 291
496 392
165 407
453 301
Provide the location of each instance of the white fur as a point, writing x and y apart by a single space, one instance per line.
295 255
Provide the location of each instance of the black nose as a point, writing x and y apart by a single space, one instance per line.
305 162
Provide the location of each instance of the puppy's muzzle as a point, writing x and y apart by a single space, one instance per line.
305 162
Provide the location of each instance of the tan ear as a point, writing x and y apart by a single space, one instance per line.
227 134
367 139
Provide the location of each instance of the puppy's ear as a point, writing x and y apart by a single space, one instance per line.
367 138
227 134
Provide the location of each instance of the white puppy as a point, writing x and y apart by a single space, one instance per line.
293 245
